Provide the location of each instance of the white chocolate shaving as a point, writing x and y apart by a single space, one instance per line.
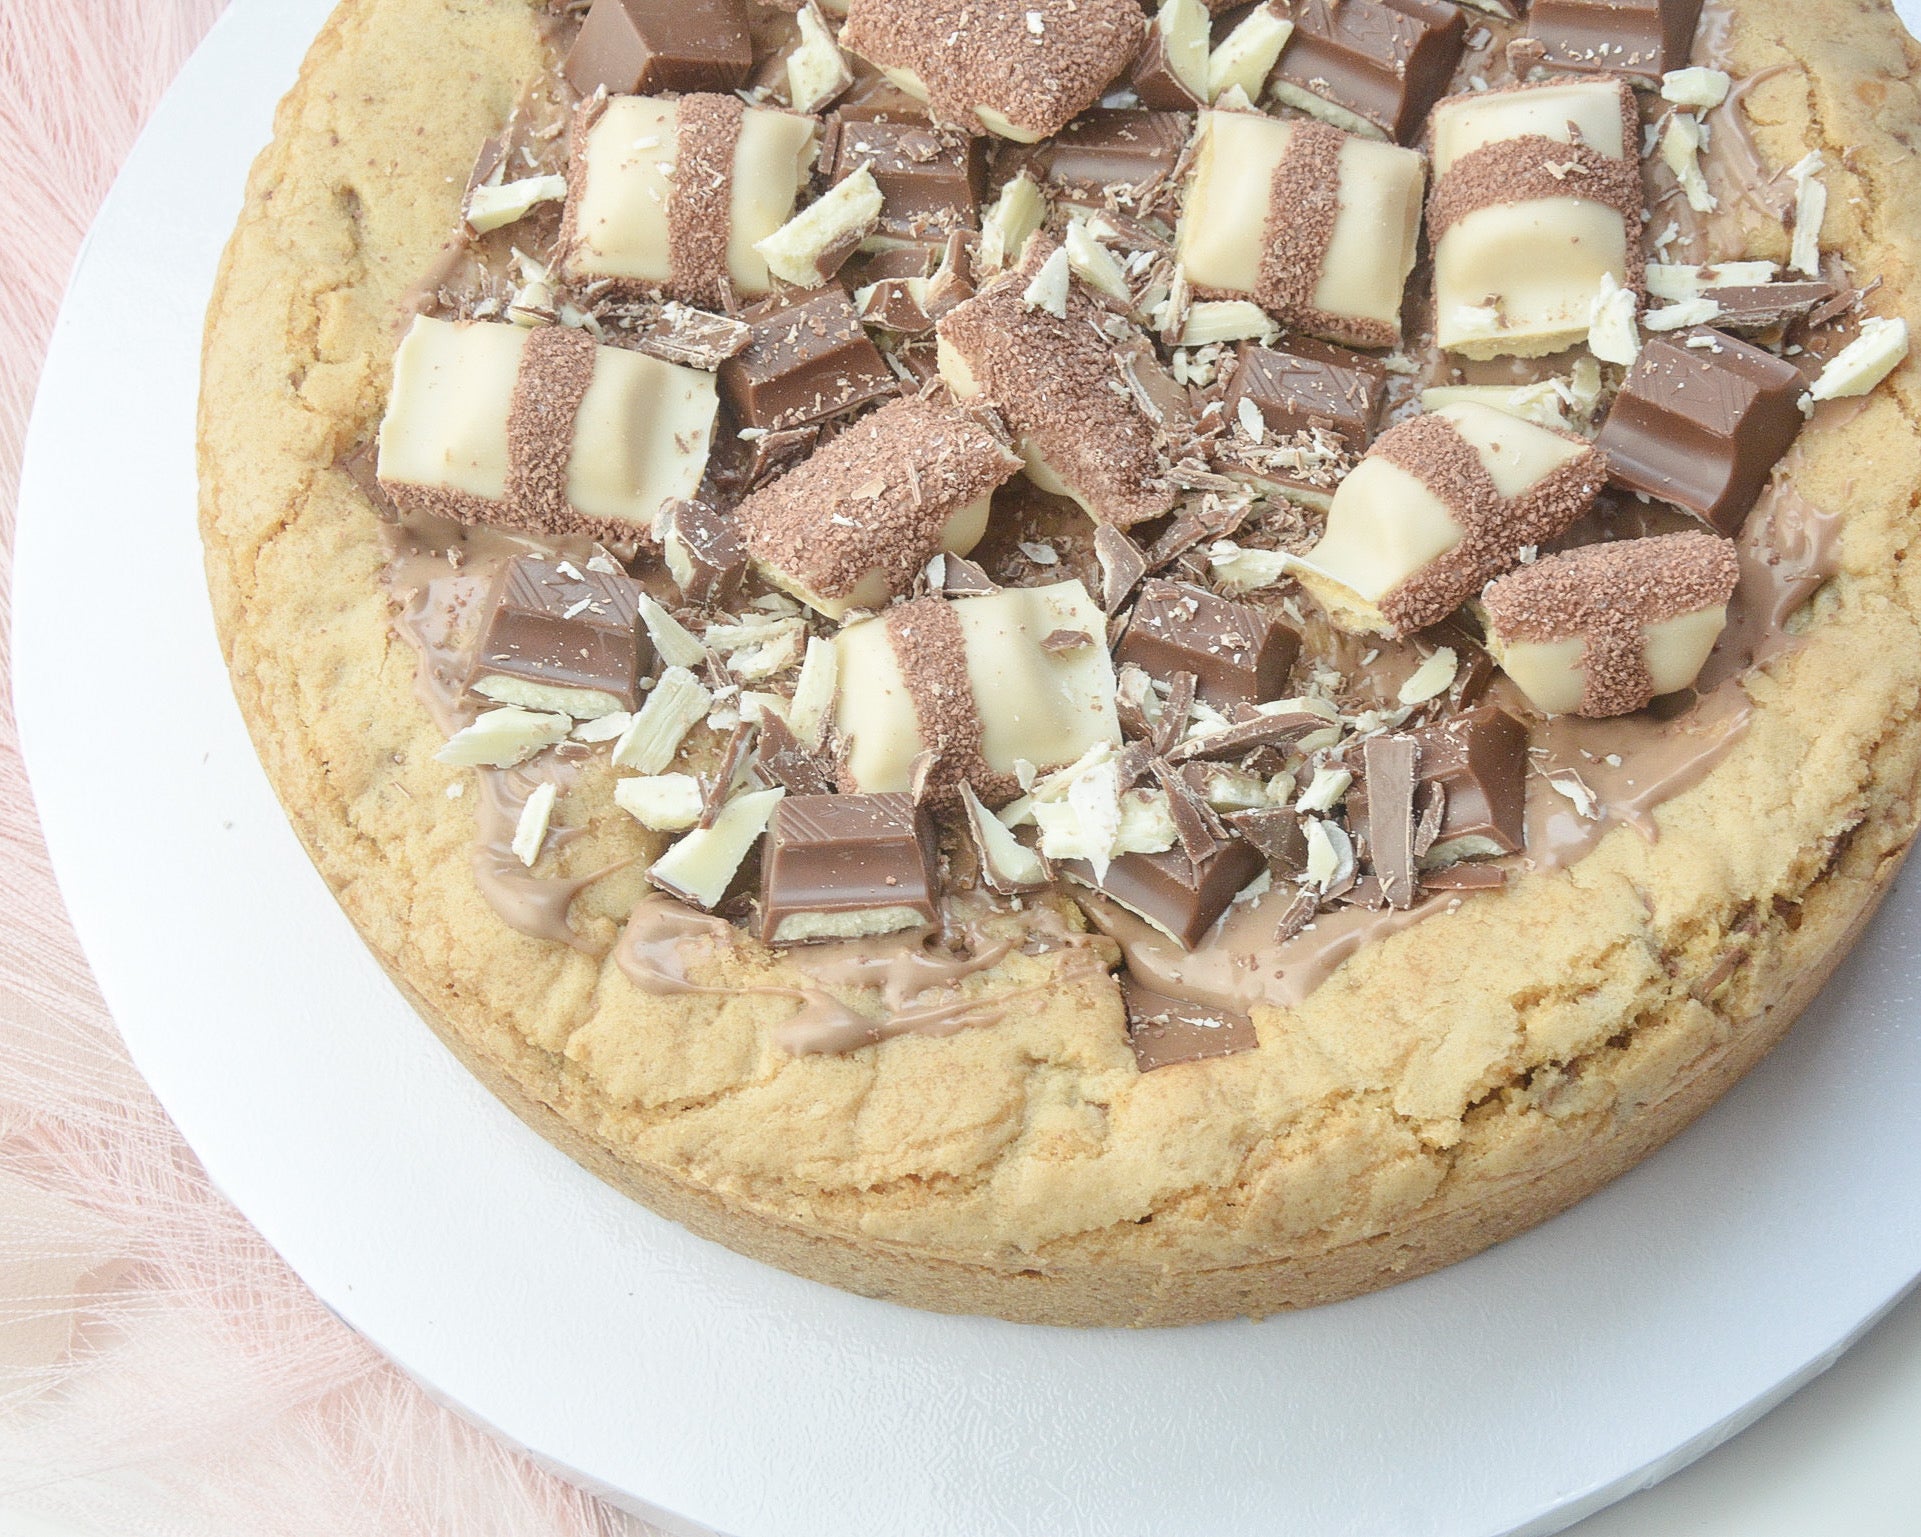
491 208
1611 332
1695 87
673 641
1010 863
1432 678
678 703
603 728
666 803
1017 213
1226 320
1327 790
1049 288
1865 361
503 738
1236 570
1667 280
702 865
1330 853
1678 317
813 699
1810 208
1681 143
530 832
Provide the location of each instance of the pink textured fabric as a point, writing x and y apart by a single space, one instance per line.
161 1370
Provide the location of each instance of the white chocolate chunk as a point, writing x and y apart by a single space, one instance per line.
1681 144
580 703
530 832
603 728
494 207
813 701
1049 288
846 214
641 436
1235 570
1678 282
673 642
1093 263
1432 678
1612 336
503 738
702 865
1679 317
1330 854
665 803
446 422
1015 215
678 703
1226 320
1695 87
817 70
1864 362
1575 111
771 166
1248 54
1182 26
1007 864
1326 790
1810 208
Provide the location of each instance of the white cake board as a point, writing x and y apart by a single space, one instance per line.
1513 1393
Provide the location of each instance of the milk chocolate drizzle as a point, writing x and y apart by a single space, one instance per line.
438 576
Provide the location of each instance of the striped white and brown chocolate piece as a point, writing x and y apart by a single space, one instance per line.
1537 202
1605 629
541 429
1023 71
673 194
1317 226
1058 384
851 526
951 691
1442 503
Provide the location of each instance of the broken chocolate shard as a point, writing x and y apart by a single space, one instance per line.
1278 836
1374 66
1180 896
961 578
1308 385
1479 759
735 763
1182 687
790 763
931 179
693 337
1238 653
848 867
1115 155
1701 422
645 47
1065 640
1280 729
1389 763
703 551
1642 39
805 361
561 639
1122 565
1763 306
1164 1031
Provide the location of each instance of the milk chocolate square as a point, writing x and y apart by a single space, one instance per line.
1642 39
1703 425
1479 759
1181 896
931 179
1308 385
1235 651
1370 66
557 637
806 361
1115 155
640 47
1164 1031
848 866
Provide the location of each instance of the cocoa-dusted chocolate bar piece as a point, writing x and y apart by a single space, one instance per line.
642 47
806 360
848 867
1607 628
1164 1031
1536 210
1308 385
1442 503
1181 896
1642 39
853 525
561 639
1316 226
674 195
931 179
1701 422
703 551
969 682
1058 379
1373 67
1023 72
1115 156
540 429
1237 653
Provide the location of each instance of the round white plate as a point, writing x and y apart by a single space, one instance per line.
1513 1393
